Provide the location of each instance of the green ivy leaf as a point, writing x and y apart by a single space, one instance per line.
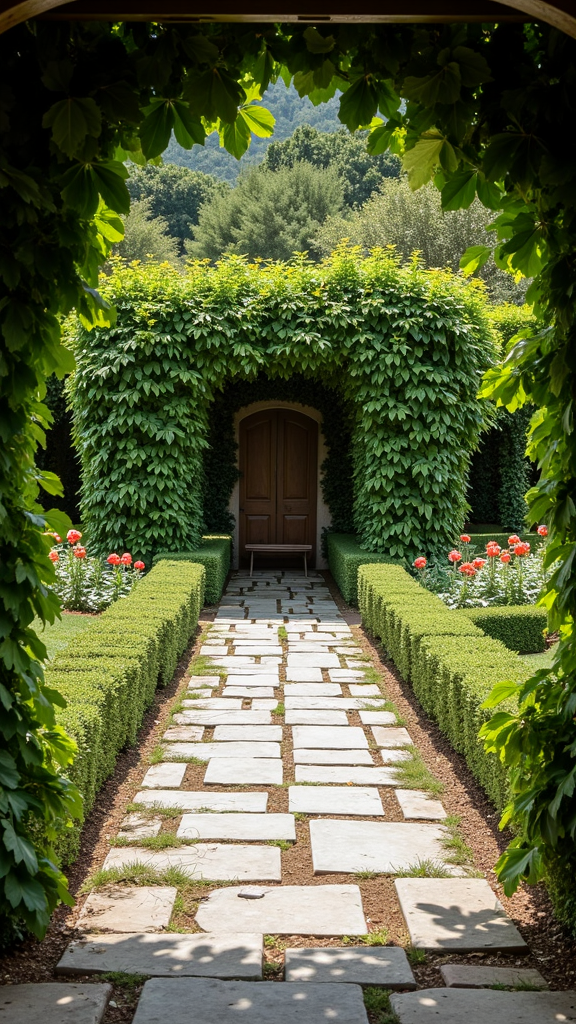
71 120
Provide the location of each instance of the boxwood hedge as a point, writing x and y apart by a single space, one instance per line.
215 555
519 627
345 556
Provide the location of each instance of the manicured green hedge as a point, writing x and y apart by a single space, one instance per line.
214 554
345 556
451 664
108 674
519 627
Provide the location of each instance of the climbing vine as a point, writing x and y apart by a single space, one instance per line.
485 114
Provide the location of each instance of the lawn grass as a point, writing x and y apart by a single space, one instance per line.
536 661
58 635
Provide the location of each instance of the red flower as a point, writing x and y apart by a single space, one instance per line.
126 558
139 566
479 563
53 556
492 549
522 549
454 556
80 552
73 536
113 559
514 539
467 568
542 530
420 562
505 557
465 538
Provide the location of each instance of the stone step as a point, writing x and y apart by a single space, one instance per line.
331 703
212 861
248 733
164 776
192 800
416 804
244 771
304 756
316 718
167 956
454 1006
118 908
231 1002
340 775
383 847
328 738
460 914
335 800
209 718
206 751
320 910
471 976
53 1003
255 827
385 966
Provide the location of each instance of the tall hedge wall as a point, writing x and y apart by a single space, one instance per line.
404 349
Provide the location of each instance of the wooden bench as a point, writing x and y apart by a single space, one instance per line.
279 549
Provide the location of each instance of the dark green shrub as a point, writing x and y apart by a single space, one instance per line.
214 554
520 628
109 673
345 556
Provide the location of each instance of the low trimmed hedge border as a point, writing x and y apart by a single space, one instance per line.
345 556
451 664
519 627
108 674
215 555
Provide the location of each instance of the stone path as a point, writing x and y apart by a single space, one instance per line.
282 752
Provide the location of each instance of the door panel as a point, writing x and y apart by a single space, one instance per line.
278 467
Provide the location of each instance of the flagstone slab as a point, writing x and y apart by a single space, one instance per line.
118 908
248 733
377 717
414 803
312 690
316 718
164 776
453 1006
385 847
138 826
231 1002
328 737
214 861
344 675
313 661
197 800
183 734
214 704
264 704
166 956
304 675
460 914
330 703
243 771
394 756
388 736
286 910
259 650
335 800
53 1003
264 678
304 756
248 692
386 966
246 827
205 751
365 690
199 682
471 976
223 718
213 650
341 775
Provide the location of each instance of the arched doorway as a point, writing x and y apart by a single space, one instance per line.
278 462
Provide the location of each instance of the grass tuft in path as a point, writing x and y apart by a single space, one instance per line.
413 774
377 1003
453 842
424 869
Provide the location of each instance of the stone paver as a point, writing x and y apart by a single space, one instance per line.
313 661
335 800
237 826
214 704
304 675
329 703
416 804
184 734
312 690
212 861
304 756
377 717
460 914
386 966
384 847
344 675
248 691
328 738
472 976
252 682
209 718
164 776
394 756
358 776
118 908
189 800
453 1006
139 826
167 956
316 718
221 1002
365 690
53 1003
248 733
388 736
247 771
206 751
287 910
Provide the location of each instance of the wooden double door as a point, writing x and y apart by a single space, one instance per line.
278 476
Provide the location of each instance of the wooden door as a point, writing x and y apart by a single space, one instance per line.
278 473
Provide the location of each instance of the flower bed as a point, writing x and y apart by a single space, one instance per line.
88 584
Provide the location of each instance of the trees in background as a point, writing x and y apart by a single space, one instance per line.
269 215
174 193
359 172
146 236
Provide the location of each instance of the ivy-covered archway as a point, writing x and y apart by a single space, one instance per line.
400 349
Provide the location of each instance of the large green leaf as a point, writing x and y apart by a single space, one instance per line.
157 127
358 104
71 120
109 179
459 191
421 161
187 128
474 258
442 86
259 120
317 43
236 137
